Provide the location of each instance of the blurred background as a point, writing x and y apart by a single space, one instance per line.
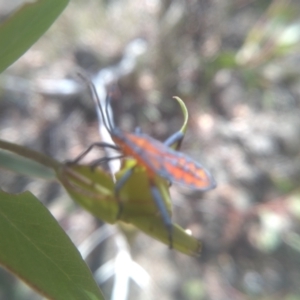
235 63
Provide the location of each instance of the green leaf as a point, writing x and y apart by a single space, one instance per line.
35 248
26 161
94 190
24 166
139 209
25 26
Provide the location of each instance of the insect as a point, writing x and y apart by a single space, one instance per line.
158 158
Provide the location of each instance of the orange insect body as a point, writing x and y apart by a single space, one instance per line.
160 159
156 157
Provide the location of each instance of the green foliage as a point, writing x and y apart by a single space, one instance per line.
94 190
23 28
36 249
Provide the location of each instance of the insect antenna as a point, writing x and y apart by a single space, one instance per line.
107 105
93 92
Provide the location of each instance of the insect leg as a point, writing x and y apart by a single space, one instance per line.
85 152
118 186
137 130
157 197
99 161
174 140
121 182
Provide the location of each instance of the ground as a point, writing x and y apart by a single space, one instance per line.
235 64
